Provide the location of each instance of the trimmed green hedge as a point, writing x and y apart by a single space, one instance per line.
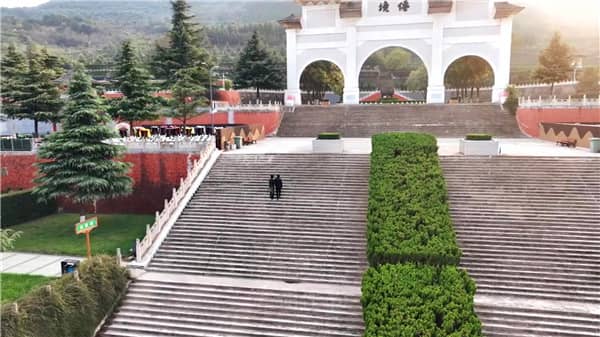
410 300
478 136
21 207
329 135
70 308
408 218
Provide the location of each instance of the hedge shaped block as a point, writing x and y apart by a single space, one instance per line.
412 300
408 218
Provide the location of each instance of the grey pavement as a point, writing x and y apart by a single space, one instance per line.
447 147
32 264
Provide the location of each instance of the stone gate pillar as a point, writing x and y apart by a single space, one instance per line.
435 88
351 90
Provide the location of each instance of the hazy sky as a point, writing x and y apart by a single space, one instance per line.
569 8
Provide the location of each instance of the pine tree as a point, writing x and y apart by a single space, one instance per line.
76 163
184 50
257 68
35 95
12 69
134 82
588 83
555 63
187 96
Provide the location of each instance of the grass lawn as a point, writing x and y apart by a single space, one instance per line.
13 286
55 234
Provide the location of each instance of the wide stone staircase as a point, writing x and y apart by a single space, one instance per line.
529 228
441 120
237 263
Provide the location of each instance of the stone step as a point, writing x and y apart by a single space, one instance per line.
329 255
532 253
502 328
261 226
295 216
493 229
258 274
268 233
514 267
537 262
271 245
325 261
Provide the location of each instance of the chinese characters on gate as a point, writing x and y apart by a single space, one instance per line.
403 6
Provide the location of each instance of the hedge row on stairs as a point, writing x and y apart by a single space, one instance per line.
413 287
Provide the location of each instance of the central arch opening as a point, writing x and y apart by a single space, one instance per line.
392 75
322 83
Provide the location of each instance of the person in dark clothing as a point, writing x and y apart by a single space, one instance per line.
278 186
272 187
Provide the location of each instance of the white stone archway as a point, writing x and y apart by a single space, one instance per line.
346 33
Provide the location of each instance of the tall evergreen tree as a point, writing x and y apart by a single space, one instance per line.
258 68
187 96
36 95
555 63
76 162
588 83
134 82
184 50
12 69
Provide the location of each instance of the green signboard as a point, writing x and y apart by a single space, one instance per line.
86 226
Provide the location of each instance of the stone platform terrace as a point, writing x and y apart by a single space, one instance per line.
447 147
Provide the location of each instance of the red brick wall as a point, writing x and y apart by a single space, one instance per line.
17 171
154 176
529 119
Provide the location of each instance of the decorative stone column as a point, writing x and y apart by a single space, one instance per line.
351 91
435 89
292 95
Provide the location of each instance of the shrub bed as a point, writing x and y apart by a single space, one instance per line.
22 206
329 135
478 136
408 218
411 300
68 308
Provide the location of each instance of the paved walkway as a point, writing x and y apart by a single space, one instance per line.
447 147
32 264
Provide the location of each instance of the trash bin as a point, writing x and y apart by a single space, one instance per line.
68 266
238 142
595 145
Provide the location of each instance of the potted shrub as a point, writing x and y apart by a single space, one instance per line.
479 145
328 142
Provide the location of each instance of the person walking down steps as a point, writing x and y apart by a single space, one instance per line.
278 186
272 187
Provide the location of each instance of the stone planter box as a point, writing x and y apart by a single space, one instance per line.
479 147
328 145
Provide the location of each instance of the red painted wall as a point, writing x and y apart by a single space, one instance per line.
529 119
18 171
154 175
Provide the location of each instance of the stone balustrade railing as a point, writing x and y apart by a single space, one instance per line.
529 102
164 144
153 231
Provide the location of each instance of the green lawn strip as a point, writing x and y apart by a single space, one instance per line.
55 234
14 286
419 300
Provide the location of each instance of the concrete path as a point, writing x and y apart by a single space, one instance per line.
32 264
447 147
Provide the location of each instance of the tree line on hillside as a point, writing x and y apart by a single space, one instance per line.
182 61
